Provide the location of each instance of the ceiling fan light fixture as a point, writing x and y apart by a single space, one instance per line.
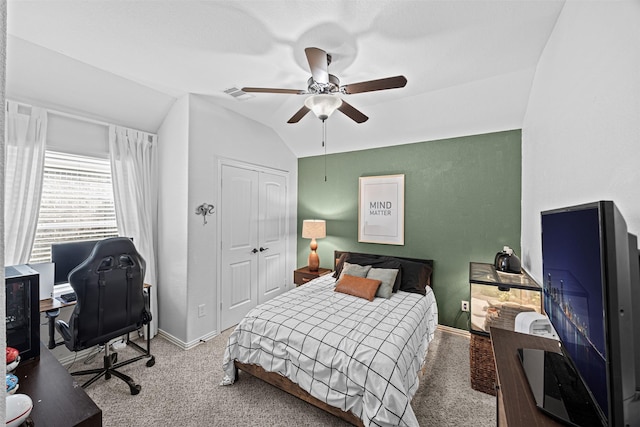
323 105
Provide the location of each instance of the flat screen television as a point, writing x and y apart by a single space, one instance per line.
590 269
67 256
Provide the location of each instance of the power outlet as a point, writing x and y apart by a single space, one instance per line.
464 305
201 311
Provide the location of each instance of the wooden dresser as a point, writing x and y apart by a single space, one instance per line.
58 400
515 403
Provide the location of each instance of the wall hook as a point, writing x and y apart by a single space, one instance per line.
204 210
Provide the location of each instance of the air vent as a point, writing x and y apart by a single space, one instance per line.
238 94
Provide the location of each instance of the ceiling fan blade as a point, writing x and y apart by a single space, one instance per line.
372 85
273 90
300 114
353 113
318 63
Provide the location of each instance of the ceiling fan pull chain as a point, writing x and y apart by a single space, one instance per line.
324 144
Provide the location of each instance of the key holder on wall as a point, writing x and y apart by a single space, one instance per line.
204 210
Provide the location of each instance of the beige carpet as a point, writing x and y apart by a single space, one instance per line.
183 389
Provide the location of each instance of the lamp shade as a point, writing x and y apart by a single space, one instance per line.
314 228
323 106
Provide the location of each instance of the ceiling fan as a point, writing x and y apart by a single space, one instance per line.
324 86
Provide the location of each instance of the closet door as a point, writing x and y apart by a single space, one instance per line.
239 223
272 236
253 231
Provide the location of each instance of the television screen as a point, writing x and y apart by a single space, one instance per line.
573 295
590 280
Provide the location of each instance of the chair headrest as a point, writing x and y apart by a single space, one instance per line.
111 253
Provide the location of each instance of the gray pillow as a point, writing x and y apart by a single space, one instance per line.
354 270
387 276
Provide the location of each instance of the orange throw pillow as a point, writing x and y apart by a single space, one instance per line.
358 286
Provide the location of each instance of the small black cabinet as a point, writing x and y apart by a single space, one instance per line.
23 310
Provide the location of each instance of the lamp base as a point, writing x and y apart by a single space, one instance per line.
314 261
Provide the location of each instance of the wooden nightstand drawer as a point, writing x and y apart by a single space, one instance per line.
303 275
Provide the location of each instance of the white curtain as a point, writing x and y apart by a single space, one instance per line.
133 170
25 135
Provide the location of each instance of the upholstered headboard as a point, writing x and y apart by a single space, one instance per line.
428 262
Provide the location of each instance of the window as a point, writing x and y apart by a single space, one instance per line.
77 202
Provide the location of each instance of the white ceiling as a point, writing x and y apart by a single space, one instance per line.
469 64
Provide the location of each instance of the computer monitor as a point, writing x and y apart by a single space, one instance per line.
67 256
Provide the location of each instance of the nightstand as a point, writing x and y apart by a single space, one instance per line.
303 274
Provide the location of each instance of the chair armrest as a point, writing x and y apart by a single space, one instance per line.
146 316
63 329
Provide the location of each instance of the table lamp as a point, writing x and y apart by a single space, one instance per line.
314 229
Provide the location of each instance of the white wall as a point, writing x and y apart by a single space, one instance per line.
3 57
39 76
213 132
173 176
581 133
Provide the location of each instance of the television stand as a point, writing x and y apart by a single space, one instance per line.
515 403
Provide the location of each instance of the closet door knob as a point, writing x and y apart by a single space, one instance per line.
254 251
263 249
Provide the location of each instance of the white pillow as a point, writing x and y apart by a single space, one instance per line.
354 270
387 276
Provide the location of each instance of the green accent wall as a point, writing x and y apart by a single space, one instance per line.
462 204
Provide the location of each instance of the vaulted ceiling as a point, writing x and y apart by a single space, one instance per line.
469 64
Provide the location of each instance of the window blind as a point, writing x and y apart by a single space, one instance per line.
77 202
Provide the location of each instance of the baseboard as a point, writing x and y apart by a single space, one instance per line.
455 331
187 345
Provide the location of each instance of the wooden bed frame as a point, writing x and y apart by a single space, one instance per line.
285 384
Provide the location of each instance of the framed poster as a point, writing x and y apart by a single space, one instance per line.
381 209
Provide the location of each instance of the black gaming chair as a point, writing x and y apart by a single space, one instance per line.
110 303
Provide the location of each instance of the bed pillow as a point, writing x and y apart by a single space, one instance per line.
360 287
340 264
375 261
387 277
415 277
354 270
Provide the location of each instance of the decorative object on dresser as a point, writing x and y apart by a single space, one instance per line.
314 229
496 299
304 275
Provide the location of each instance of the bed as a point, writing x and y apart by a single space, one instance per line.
355 358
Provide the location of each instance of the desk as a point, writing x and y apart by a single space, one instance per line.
515 403
49 304
57 399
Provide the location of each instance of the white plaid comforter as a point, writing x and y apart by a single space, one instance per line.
353 354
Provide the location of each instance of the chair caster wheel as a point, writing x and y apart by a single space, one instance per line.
151 362
135 389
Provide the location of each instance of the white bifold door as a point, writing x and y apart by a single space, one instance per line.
253 230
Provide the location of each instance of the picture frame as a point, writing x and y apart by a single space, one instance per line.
381 209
